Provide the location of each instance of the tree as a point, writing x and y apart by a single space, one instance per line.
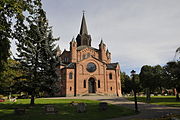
7 79
11 10
159 77
147 80
125 83
173 71
36 54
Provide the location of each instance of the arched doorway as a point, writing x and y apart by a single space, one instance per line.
92 85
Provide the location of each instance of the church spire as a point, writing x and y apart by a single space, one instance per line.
83 38
83 29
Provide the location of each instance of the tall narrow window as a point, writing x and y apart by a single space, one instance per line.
70 88
70 75
84 56
84 83
88 55
111 88
110 76
99 84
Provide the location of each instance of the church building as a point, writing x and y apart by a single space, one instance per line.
85 70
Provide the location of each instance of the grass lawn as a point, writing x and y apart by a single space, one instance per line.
159 100
65 111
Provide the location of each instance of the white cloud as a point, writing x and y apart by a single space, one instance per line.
137 32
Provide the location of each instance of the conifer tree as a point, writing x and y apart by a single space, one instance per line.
36 54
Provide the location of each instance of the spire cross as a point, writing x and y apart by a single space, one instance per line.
83 12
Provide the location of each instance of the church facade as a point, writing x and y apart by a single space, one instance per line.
86 70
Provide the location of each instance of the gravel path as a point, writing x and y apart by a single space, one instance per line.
147 111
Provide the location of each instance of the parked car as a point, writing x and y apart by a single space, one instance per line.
2 100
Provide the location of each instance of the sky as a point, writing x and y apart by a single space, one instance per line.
136 32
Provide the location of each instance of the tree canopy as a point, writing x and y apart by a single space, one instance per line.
12 11
173 73
36 54
8 76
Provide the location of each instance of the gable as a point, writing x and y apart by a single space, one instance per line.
86 53
82 66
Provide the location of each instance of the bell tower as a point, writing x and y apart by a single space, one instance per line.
83 38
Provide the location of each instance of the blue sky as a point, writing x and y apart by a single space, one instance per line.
136 32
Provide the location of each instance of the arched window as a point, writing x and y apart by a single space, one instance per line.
70 75
84 83
88 55
111 88
110 76
99 84
84 56
70 88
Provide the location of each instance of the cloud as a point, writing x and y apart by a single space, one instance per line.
136 32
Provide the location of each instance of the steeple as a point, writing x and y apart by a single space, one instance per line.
83 29
83 38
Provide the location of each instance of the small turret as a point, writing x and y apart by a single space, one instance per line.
108 54
102 51
102 45
73 49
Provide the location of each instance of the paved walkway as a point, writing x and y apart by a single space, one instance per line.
147 111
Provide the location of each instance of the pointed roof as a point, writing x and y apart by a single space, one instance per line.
101 41
58 48
83 29
73 40
107 51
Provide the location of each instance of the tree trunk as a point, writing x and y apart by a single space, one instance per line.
177 94
177 97
148 96
160 89
32 99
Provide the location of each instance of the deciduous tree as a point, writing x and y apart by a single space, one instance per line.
173 71
10 12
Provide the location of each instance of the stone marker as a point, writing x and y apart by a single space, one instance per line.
19 111
103 106
73 103
50 109
81 107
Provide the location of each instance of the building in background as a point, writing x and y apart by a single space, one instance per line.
86 70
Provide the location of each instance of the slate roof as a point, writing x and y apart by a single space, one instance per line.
112 66
85 46
71 66
83 29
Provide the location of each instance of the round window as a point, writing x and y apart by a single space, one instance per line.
91 67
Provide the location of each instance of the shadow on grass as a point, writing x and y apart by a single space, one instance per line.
155 110
65 111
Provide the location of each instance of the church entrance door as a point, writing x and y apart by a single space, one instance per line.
92 85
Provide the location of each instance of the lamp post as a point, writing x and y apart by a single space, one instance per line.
133 72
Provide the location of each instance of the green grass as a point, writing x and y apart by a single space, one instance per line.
159 100
65 111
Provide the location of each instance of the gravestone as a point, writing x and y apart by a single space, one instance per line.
103 106
50 109
81 107
73 103
19 111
